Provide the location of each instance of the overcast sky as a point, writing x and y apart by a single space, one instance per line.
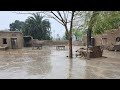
7 17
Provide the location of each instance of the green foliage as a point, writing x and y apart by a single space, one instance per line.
34 26
106 20
37 27
99 21
16 26
77 33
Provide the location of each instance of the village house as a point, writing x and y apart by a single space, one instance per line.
106 39
11 39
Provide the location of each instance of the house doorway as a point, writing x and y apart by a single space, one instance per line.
14 43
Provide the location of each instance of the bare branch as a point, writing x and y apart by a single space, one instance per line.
71 24
61 17
56 16
57 20
65 16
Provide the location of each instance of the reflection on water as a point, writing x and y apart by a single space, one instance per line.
50 63
59 63
70 68
77 68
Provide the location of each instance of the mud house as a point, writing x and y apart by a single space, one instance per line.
106 39
12 39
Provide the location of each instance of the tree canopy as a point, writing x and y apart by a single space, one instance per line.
98 21
77 33
35 26
16 26
106 20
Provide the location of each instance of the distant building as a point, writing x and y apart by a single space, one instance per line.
12 39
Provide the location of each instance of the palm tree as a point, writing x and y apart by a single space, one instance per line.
37 27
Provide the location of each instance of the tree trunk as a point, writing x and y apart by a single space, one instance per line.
88 37
70 36
70 46
91 24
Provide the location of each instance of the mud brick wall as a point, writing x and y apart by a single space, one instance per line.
107 38
50 42
8 35
61 42
78 43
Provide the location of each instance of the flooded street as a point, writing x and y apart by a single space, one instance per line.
50 63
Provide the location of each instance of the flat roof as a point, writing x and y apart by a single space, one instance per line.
10 31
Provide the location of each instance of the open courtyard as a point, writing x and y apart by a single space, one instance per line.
49 63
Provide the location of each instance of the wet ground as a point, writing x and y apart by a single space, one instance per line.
50 63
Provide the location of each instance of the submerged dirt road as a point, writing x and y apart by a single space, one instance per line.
50 63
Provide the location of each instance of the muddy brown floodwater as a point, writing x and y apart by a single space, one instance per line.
50 63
